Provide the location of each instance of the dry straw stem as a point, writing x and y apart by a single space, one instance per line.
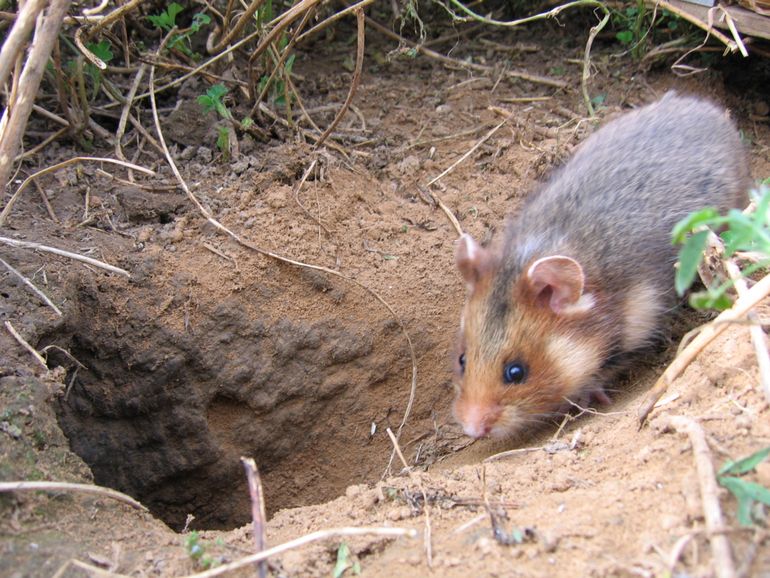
307 539
333 18
29 82
708 27
25 344
709 491
453 166
258 516
361 41
298 188
68 487
755 330
9 205
428 531
535 78
43 297
553 13
63 253
18 35
244 243
709 332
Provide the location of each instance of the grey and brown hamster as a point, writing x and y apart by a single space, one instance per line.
583 275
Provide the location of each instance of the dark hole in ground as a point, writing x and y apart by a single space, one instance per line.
163 410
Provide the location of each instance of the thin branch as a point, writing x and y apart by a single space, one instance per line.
361 36
29 82
9 205
25 344
709 332
18 35
333 18
258 516
708 28
63 253
69 487
307 539
709 491
758 338
32 287
536 78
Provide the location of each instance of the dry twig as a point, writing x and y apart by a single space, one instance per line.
707 334
63 253
29 81
258 516
361 36
69 487
307 539
428 530
709 491
32 287
9 205
25 344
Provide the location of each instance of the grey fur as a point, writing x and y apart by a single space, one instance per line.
613 205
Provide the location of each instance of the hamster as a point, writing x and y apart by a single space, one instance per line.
583 276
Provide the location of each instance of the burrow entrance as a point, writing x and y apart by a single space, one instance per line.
179 381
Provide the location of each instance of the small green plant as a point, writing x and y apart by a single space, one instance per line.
212 100
274 85
345 561
223 141
742 232
197 551
166 21
636 23
746 493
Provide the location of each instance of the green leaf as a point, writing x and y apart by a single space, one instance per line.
691 222
199 20
736 487
708 300
745 493
746 464
343 560
599 99
101 50
166 20
289 63
689 259
625 37
223 140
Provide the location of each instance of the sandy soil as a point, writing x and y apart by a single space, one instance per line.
210 351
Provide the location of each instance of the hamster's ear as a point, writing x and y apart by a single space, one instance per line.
472 260
559 281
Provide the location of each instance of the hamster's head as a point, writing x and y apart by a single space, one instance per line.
521 351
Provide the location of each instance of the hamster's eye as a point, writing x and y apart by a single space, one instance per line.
514 373
461 361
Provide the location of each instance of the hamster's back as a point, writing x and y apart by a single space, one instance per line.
614 204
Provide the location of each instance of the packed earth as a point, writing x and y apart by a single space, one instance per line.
159 378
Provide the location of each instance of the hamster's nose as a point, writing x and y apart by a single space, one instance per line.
476 430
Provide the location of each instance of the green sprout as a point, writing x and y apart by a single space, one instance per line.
345 561
212 100
197 551
166 21
745 492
